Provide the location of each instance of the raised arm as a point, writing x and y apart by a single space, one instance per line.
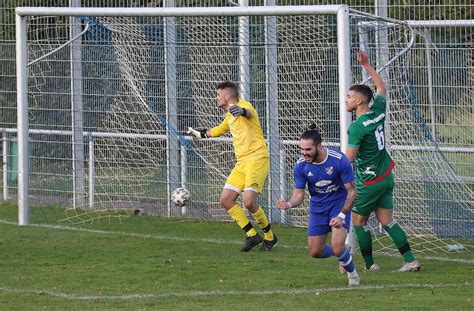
296 199
363 60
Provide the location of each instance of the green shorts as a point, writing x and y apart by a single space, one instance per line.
369 197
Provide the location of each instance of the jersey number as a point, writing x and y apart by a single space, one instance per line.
380 137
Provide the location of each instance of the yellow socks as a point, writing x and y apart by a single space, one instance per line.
238 215
263 223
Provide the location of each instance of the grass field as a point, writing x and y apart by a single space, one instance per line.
146 263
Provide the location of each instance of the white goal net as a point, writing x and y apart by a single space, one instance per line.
139 82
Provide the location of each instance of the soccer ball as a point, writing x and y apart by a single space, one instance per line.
180 196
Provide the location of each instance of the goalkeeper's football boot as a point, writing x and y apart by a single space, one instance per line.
268 244
354 280
415 265
250 242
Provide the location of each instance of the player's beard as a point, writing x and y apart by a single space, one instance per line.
315 156
312 158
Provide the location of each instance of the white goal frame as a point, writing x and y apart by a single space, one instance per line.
343 45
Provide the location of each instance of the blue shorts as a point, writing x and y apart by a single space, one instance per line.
318 223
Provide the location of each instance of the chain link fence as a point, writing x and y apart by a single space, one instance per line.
441 64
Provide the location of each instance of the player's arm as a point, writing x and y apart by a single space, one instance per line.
297 196
296 199
355 136
219 130
198 133
378 82
351 153
351 195
237 111
347 177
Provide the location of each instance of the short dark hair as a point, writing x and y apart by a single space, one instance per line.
364 90
228 85
312 133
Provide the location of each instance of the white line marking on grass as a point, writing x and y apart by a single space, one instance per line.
75 296
459 260
317 291
145 236
214 241
190 294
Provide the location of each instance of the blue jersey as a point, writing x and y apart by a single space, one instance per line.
325 180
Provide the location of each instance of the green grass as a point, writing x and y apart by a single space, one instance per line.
175 264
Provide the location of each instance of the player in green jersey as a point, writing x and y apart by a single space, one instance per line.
373 166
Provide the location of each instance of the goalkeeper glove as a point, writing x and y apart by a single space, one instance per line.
197 133
236 111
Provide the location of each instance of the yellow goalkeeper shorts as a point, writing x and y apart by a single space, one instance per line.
249 175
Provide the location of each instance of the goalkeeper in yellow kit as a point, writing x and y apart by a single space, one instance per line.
251 169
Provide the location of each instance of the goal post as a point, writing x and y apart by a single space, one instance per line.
343 47
22 118
147 74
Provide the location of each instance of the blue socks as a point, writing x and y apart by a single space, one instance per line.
327 252
346 260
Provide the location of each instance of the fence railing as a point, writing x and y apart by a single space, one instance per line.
89 137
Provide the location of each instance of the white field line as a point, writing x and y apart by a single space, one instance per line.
191 294
74 296
459 260
145 236
214 241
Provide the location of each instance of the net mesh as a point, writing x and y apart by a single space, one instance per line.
129 127
430 199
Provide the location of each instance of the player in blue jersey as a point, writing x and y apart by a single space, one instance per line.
329 177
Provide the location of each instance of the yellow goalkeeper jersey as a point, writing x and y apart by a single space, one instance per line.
247 135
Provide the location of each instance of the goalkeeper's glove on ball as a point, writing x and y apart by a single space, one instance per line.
197 133
236 111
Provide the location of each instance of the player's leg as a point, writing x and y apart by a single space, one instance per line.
399 238
318 228
384 214
255 174
338 243
250 202
364 238
365 204
233 187
318 248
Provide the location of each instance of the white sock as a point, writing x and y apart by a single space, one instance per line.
352 274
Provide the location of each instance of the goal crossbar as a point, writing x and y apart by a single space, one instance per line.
343 58
175 12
